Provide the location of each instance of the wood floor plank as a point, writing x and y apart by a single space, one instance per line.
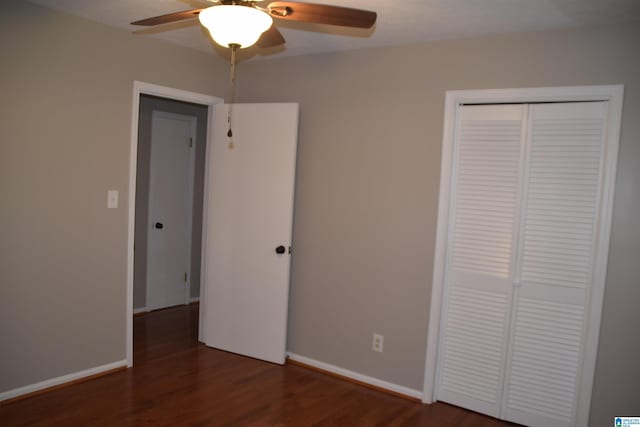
178 382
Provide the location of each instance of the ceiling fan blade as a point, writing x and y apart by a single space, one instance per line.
270 38
169 17
322 14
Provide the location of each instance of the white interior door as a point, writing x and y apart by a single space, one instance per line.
170 198
250 212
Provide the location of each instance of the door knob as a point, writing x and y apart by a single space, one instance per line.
280 250
159 225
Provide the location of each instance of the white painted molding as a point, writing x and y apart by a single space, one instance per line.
139 310
433 333
196 299
417 394
61 380
535 94
202 312
454 99
587 374
173 93
140 88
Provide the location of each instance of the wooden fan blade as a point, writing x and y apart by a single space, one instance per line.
169 17
270 38
322 14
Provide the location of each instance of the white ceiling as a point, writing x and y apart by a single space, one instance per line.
399 21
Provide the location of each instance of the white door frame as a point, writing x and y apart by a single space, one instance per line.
190 172
454 100
142 88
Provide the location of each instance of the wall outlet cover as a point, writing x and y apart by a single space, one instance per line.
378 343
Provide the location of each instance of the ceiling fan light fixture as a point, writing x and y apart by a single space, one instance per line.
235 24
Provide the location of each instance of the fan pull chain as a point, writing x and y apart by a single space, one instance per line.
234 48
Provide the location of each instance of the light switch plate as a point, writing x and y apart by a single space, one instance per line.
112 199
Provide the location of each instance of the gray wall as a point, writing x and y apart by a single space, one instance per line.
65 125
367 192
147 105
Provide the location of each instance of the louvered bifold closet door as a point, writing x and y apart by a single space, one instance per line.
480 256
560 214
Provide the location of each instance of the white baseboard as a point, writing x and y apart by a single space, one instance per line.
196 299
61 380
357 376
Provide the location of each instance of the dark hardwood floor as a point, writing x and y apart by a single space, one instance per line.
177 381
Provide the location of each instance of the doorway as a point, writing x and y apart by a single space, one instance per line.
169 202
555 151
146 98
280 147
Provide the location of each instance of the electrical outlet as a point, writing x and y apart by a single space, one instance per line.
378 342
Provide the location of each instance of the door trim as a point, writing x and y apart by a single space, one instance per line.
191 171
453 101
143 88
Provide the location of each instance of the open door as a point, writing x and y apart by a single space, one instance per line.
249 226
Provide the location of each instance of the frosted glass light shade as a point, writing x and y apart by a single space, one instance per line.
234 24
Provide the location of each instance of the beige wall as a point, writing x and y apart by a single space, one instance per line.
367 192
66 87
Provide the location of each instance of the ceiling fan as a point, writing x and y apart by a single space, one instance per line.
237 24
243 23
